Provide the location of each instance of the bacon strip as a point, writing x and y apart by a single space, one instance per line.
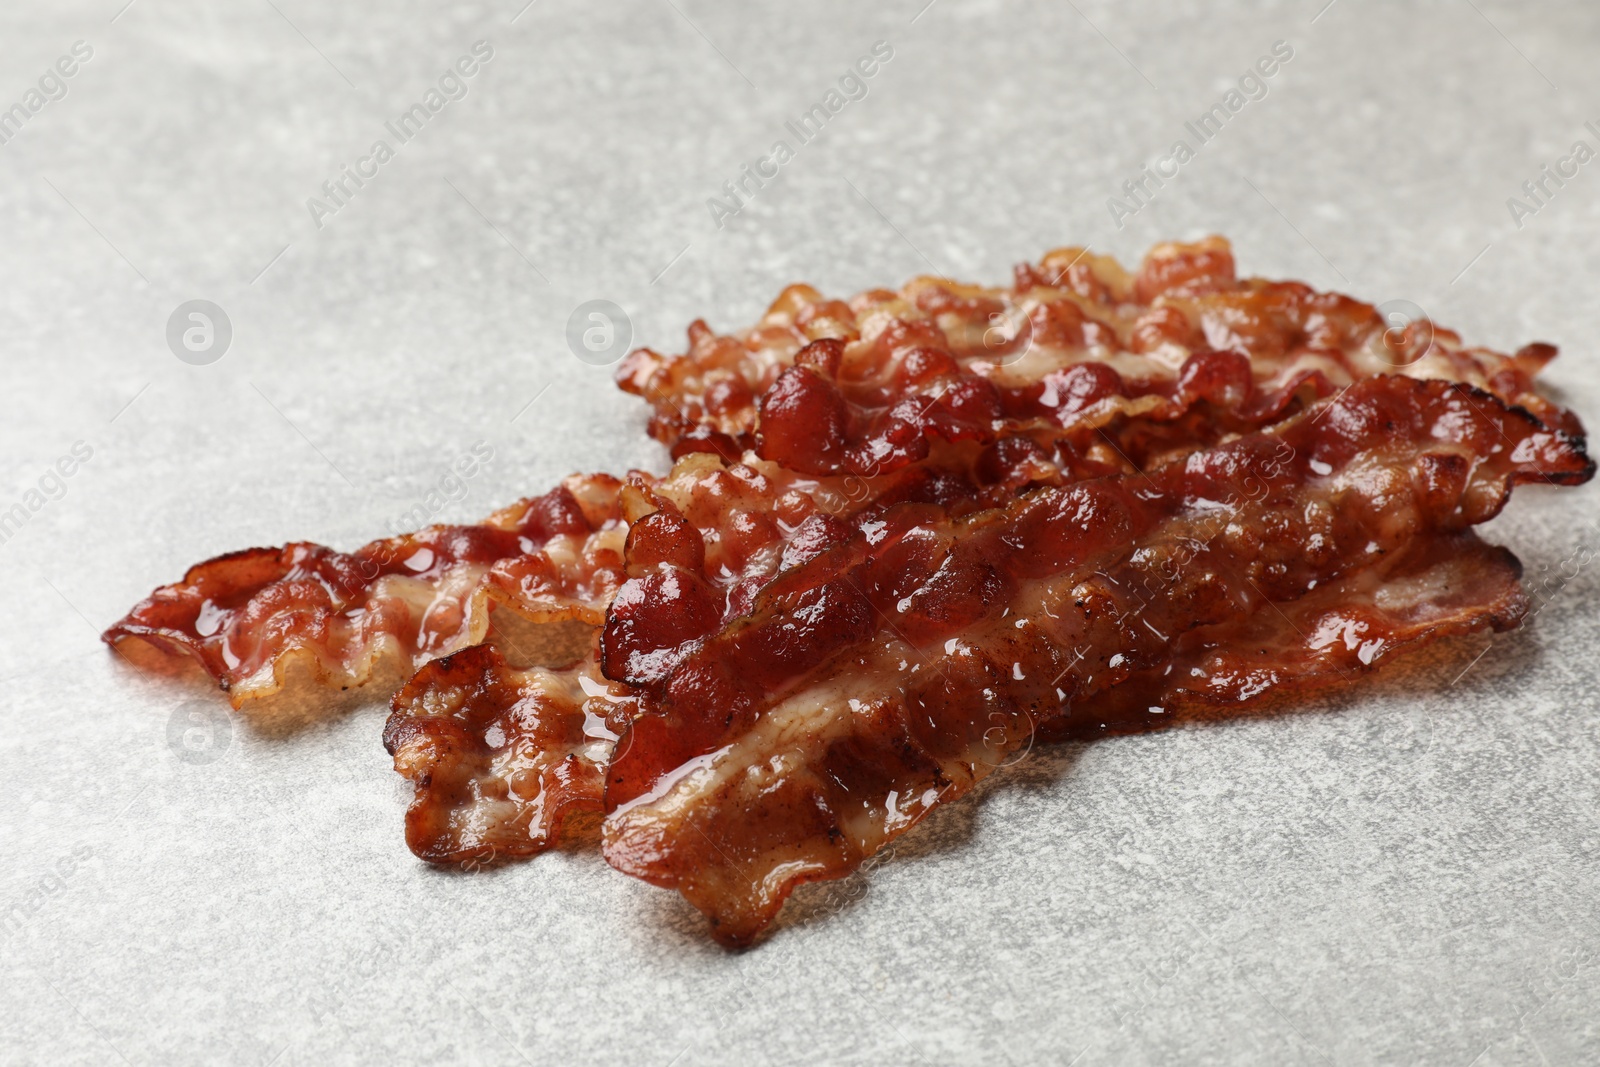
894 671
1445 585
1075 345
501 756
247 616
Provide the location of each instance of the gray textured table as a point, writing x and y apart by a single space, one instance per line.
1405 873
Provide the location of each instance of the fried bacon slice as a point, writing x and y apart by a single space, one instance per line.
1075 345
500 756
896 669
246 617
1444 585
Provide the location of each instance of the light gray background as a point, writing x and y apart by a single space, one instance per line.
1402 874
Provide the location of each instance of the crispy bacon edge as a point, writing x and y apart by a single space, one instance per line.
248 617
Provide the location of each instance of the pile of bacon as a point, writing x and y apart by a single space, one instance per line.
904 537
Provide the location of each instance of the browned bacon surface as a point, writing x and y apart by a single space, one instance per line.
1444 585
894 669
247 616
499 756
1076 344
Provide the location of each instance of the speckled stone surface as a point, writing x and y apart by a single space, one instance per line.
1405 873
